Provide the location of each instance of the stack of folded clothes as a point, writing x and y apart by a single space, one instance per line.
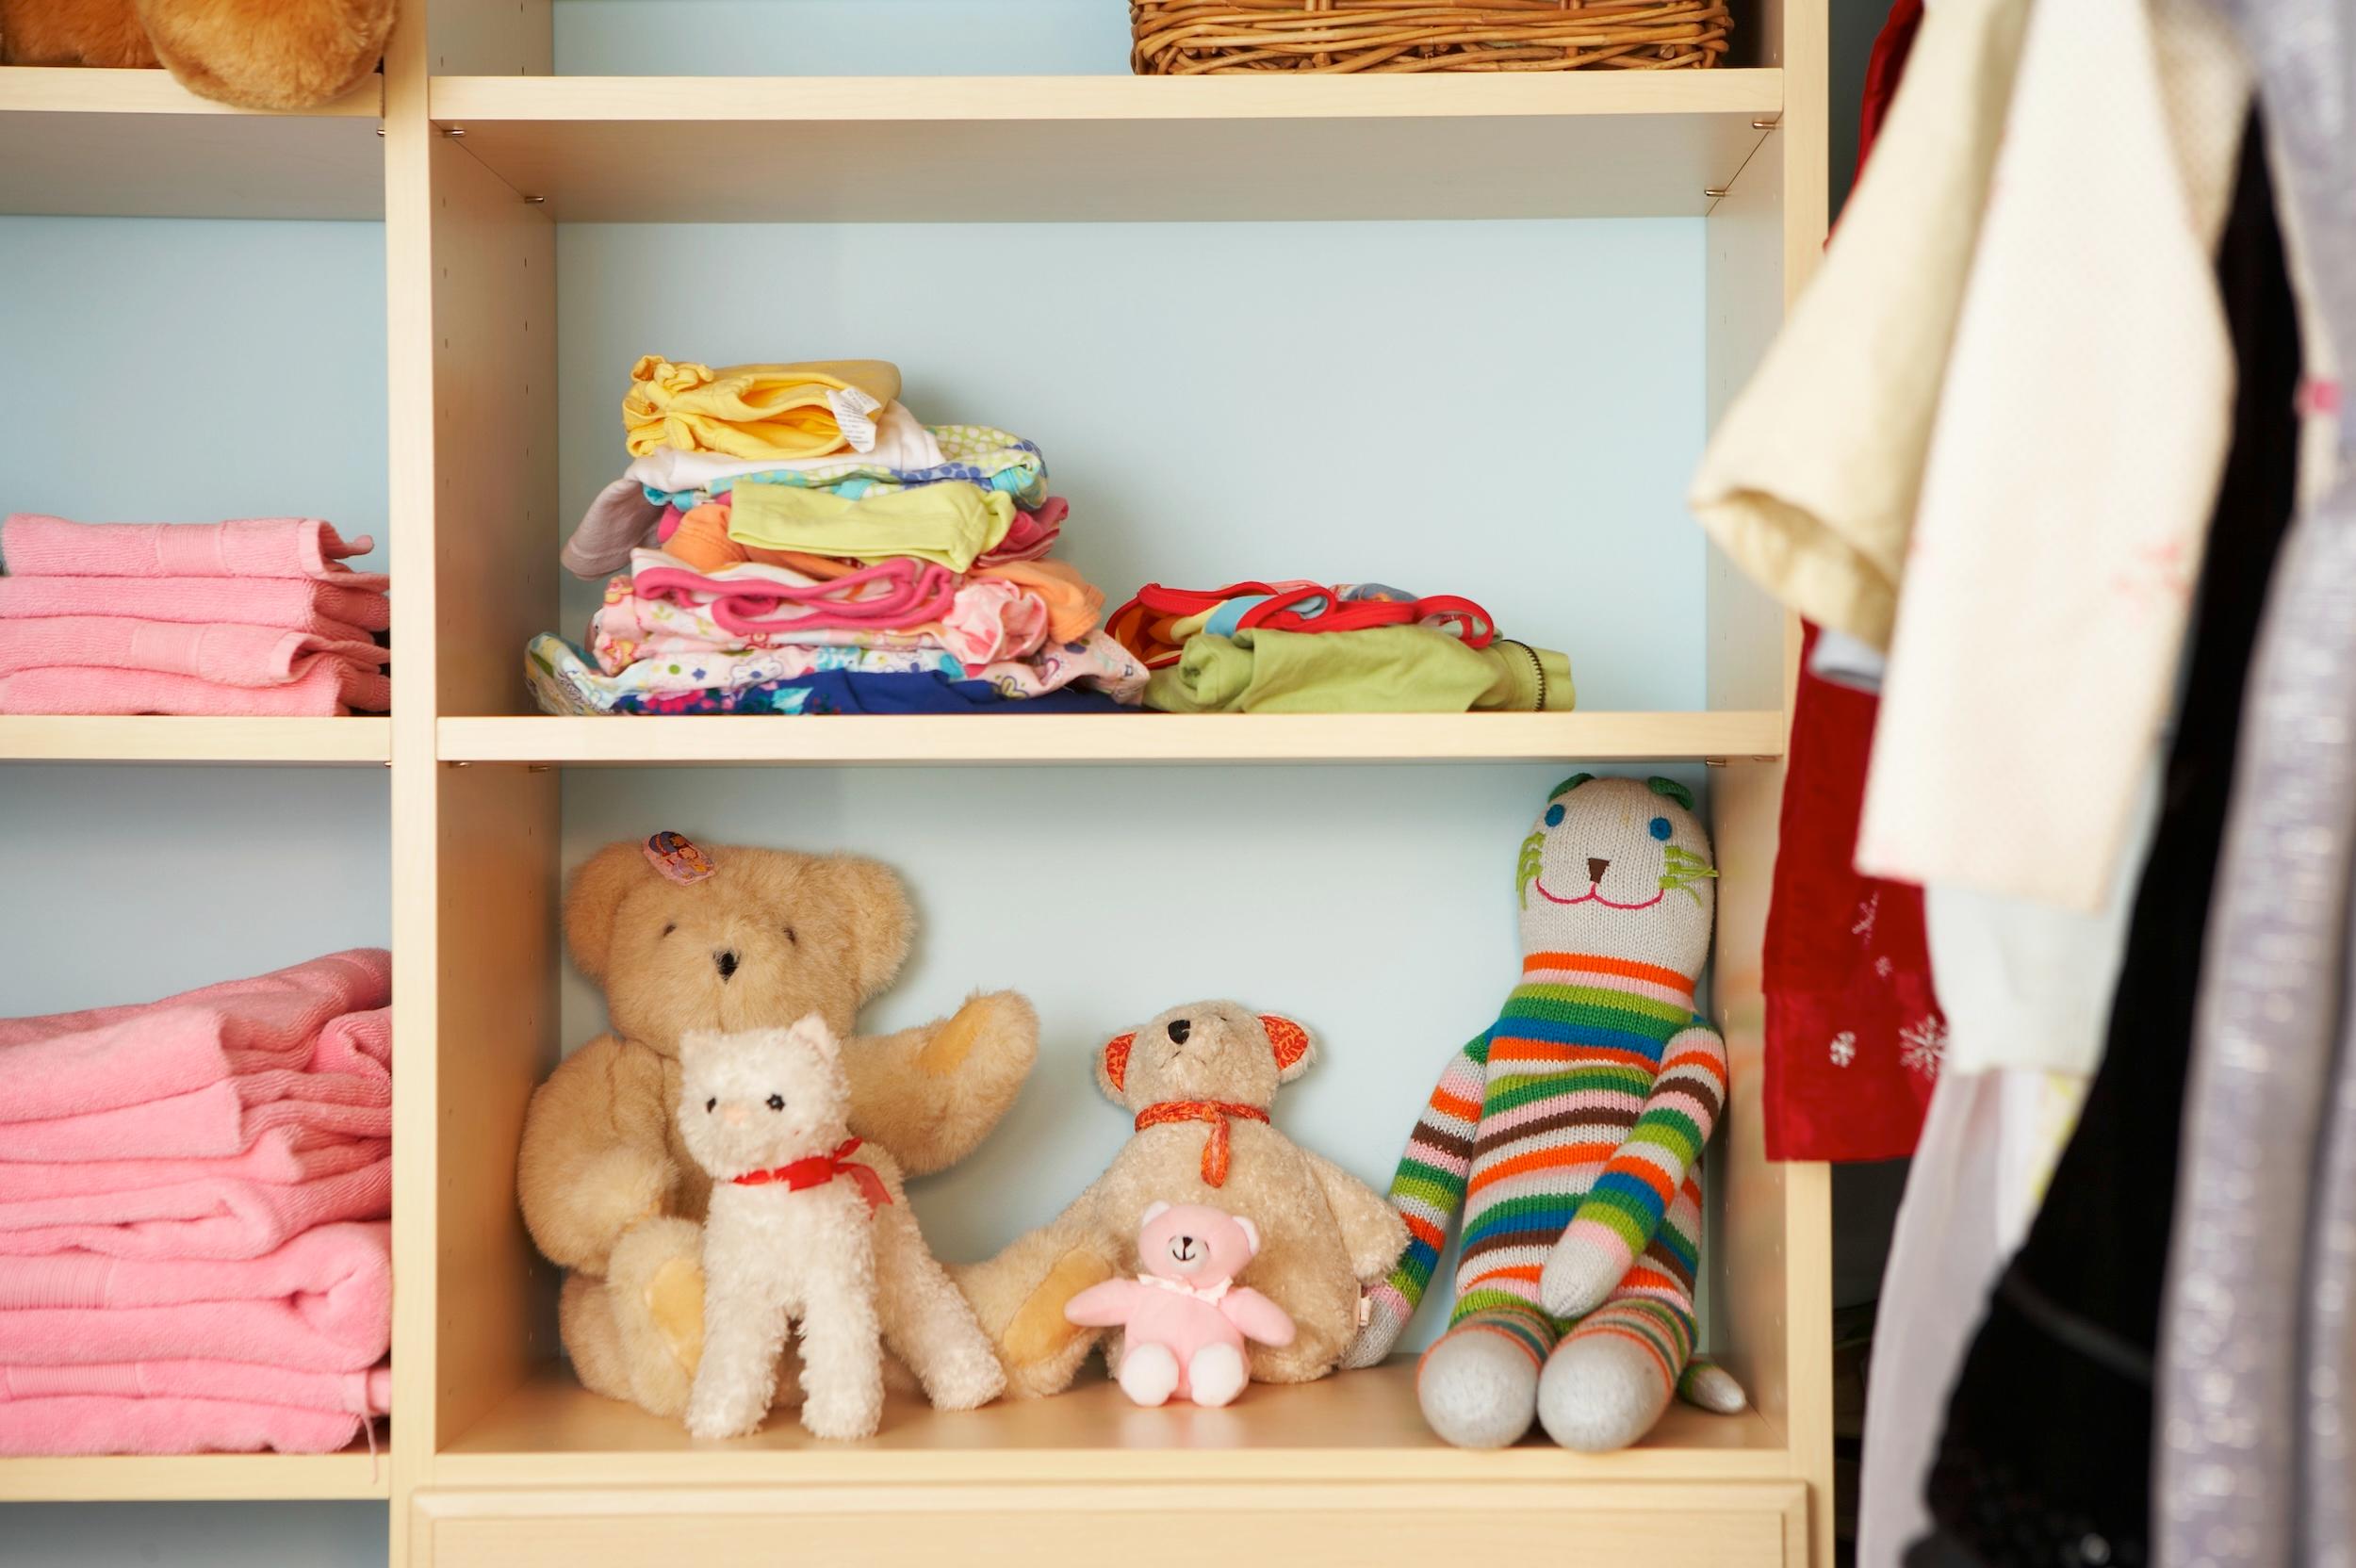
1303 648
798 543
193 1195
256 617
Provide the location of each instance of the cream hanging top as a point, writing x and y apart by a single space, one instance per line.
1809 480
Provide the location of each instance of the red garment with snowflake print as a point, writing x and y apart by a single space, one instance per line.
1853 1030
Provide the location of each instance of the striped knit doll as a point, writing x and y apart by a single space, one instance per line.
1568 1134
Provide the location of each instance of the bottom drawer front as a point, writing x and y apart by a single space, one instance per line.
1182 1525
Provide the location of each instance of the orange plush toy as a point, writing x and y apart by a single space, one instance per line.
256 54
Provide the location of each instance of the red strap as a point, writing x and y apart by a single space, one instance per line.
1218 1112
819 1169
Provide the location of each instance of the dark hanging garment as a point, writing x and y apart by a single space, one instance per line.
2046 1458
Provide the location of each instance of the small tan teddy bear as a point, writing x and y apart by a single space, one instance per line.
723 938
1199 1080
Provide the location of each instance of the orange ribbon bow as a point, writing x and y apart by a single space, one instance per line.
1218 1113
819 1169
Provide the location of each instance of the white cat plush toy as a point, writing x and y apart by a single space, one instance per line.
808 1224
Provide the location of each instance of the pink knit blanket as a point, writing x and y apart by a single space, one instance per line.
326 609
369 1393
213 1216
328 689
323 1302
89 1425
282 1156
226 655
103 1059
32 545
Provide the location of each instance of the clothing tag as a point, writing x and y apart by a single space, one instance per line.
675 856
851 410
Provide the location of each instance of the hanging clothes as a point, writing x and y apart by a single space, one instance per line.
2046 1454
1809 480
2067 492
2238 1477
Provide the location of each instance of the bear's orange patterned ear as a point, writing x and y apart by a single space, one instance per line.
1112 1065
1291 1043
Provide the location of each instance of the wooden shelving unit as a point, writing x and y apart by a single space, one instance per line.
1160 737
354 1474
136 144
497 1455
348 742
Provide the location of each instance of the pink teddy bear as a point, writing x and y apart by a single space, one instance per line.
1186 1318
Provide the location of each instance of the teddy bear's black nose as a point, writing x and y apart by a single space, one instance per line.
726 958
1596 868
1179 1029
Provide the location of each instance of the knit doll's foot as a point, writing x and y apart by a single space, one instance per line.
1477 1389
1216 1375
1149 1374
1600 1392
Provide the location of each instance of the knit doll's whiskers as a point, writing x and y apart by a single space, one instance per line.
1681 869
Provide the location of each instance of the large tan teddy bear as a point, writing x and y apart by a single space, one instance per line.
256 54
1198 1080
724 939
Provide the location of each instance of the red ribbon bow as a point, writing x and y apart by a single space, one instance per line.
1218 1112
817 1171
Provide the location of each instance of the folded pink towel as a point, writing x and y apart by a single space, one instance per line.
369 1393
232 655
217 1120
326 689
326 609
323 1302
36 545
91 1424
217 1216
101 1059
284 1156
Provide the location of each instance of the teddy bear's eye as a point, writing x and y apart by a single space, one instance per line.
777 1102
792 938
712 1104
670 927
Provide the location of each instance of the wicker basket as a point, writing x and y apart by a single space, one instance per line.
1187 37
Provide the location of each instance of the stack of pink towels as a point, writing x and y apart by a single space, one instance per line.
256 617
193 1195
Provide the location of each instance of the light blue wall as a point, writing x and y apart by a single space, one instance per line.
841 38
188 371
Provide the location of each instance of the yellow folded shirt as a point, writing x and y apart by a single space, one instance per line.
756 411
949 523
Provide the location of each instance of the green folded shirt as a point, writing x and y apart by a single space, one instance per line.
948 524
1394 669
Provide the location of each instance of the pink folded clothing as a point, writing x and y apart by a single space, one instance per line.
367 1393
36 545
1032 535
284 1156
323 1302
890 594
327 690
217 1217
91 1424
327 609
217 1120
102 1058
231 655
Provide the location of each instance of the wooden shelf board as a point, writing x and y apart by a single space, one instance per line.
136 143
1095 148
1361 1427
1116 738
197 1478
353 741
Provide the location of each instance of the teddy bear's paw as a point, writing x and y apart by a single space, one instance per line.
1149 1374
1216 1375
1600 1392
1479 1389
675 1299
995 1014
